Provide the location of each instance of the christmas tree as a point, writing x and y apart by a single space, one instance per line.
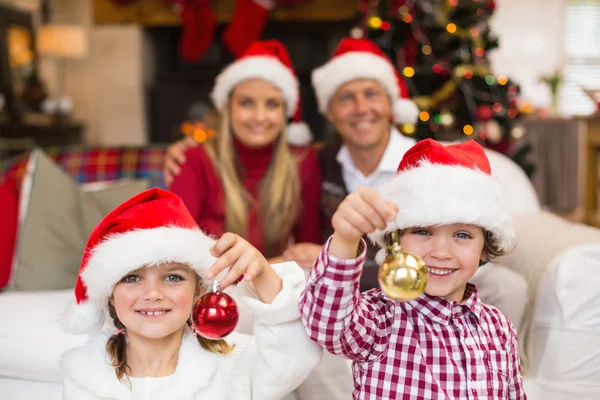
441 48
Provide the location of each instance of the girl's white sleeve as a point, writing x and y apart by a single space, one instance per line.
280 356
72 391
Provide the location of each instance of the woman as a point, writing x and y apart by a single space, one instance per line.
247 179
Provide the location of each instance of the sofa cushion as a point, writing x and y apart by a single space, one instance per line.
31 340
56 218
9 210
544 242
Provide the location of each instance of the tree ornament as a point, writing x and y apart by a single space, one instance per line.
517 132
447 118
494 131
215 314
484 112
356 32
402 276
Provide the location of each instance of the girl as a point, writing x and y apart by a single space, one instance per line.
446 344
145 265
247 179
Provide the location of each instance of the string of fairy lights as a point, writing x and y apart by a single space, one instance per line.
497 101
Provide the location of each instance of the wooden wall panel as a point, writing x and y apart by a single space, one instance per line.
157 13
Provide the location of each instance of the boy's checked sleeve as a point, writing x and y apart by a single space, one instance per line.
515 388
337 316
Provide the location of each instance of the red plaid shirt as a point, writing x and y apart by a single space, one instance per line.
428 348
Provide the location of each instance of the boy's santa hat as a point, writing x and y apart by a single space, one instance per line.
268 60
444 185
362 59
151 228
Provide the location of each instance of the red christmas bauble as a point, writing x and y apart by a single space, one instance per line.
215 315
484 112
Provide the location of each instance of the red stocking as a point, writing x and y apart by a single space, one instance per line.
123 3
246 26
198 29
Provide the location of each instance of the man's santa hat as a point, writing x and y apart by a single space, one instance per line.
268 60
443 185
362 59
147 230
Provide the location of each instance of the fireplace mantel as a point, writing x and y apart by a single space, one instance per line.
156 13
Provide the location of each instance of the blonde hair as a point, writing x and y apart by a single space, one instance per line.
116 346
279 188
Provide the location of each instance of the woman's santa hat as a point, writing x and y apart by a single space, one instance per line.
147 230
444 185
362 59
268 60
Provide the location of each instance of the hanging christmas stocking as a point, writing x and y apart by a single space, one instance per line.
198 31
247 24
123 3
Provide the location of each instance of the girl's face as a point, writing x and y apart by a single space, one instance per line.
452 254
155 302
257 112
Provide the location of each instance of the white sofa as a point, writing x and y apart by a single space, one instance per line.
565 364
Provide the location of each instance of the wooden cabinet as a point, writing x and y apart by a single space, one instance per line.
18 137
590 174
157 13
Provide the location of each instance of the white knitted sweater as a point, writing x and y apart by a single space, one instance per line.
265 366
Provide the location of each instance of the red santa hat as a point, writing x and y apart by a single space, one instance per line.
268 60
444 185
362 59
147 230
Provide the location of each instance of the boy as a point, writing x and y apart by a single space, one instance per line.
446 344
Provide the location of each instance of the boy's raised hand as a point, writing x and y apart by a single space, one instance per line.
242 258
362 211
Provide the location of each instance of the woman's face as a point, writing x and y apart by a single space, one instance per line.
257 110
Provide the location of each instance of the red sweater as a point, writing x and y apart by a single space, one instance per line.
199 186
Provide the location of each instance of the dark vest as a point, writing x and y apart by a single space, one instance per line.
333 191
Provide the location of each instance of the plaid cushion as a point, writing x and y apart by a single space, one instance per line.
94 164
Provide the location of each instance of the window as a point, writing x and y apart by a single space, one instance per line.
582 55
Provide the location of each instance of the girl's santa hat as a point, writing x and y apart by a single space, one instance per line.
268 60
362 59
147 230
444 185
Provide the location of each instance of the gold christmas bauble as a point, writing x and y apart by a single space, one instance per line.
402 276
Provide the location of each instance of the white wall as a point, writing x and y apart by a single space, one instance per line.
107 86
531 43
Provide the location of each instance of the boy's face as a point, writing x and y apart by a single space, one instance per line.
155 302
452 254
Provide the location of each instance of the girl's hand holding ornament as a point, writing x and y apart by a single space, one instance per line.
245 260
215 314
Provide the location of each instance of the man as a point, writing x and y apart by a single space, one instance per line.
360 92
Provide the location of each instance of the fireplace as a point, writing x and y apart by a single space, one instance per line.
174 88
